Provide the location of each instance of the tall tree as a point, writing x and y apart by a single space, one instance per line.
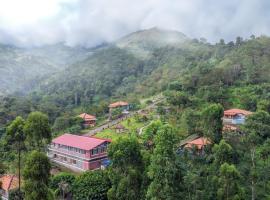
36 176
222 152
164 174
229 183
212 117
37 129
126 169
15 137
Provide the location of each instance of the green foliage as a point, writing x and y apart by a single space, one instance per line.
163 172
16 194
223 152
259 123
212 119
150 132
36 176
126 169
91 185
193 122
37 129
61 177
229 183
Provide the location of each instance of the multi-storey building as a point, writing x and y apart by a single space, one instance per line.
235 116
79 153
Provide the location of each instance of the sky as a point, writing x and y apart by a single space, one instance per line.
91 22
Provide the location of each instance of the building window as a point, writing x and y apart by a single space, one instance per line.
74 162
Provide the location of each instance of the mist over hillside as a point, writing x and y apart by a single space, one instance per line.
21 69
142 62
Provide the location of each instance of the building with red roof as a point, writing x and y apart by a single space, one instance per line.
89 120
235 116
79 153
7 183
118 104
198 143
122 105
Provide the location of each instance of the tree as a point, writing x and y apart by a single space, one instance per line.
36 176
239 41
150 132
91 185
61 183
193 122
229 186
179 99
15 137
37 130
258 123
222 153
263 105
163 172
126 169
212 118
16 194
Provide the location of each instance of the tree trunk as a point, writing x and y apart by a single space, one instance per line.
253 191
19 167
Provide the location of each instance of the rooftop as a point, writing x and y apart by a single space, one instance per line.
86 116
199 142
236 111
9 182
81 142
118 104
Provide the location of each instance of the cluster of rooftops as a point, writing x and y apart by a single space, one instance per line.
86 143
231 119
90 120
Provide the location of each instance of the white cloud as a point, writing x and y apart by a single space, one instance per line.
89 22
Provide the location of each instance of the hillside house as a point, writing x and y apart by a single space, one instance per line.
88 120
8 183
122 105
198 143
235 116
194 142
79 153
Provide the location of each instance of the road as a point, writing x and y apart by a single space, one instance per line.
117 121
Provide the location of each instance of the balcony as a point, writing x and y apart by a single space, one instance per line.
66 151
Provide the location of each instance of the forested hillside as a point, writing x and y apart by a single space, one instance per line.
150 157
21 69
119 71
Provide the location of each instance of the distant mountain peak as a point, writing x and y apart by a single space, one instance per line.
140 43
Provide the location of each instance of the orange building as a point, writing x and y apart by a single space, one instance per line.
8 183
198 143
89 120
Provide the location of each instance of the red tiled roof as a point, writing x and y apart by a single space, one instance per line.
81 142
236 111
118 104
9 182
87 117
199 142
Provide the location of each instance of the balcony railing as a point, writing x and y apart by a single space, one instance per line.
68 152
